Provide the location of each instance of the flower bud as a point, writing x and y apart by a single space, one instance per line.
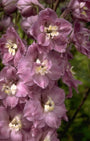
29 7
9 5
27 23
5 23
80 9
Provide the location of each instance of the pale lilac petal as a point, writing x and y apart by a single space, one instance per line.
11 101
5 131
16 136
4 116
51 120
22 90
41 80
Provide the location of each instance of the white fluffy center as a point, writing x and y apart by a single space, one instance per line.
15 124
10 90
12 47
49 105
42 68
51 31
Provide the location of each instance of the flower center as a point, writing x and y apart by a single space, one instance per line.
10 90
42 68
47 138
84 8
12 47
82 4
51 31
49 105
15 124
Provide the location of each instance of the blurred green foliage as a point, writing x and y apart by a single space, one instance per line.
79 129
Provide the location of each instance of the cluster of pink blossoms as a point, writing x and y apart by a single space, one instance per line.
31 102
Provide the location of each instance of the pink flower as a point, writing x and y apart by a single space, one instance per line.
11 88
27 23
49 110
41 68
54 108
69 80
28 7
5 23
50 31
9 5
80 9
11 47
81 38
13 125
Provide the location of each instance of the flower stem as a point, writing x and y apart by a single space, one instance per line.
56 5
75 114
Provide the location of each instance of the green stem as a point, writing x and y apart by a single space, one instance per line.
65 13
75 114
56 5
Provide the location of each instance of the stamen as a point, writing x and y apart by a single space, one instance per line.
10 90
15 124
51 31
6 89
38 61
12 47
84 8
42 69
84 13
82 4
13 89
49 105
47 138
